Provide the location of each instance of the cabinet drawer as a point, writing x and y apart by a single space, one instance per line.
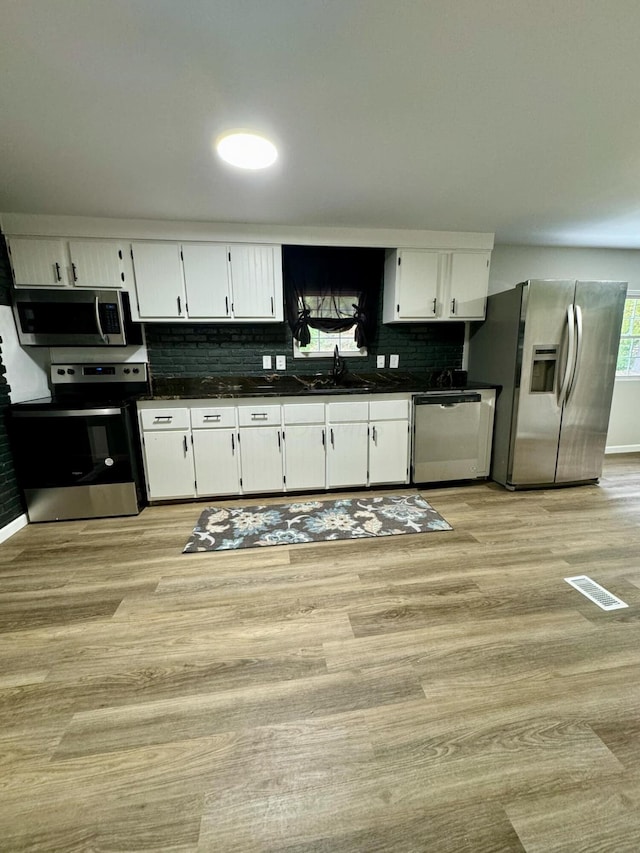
259 415
388 410
164 419
213 417
303 413
356 410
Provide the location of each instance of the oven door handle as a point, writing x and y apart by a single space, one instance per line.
105 338
68 413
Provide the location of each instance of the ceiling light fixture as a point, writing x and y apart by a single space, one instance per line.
246 150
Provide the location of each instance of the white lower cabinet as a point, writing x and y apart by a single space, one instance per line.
202 450
388 441
347 446
216 462
388 452
347 455
169 464
304 445
305 457
261 458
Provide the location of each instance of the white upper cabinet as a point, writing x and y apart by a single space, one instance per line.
256 282
100 264
208 282
468 285
159 282
206 278
427 285
38 263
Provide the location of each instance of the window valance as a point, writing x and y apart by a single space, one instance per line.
332 288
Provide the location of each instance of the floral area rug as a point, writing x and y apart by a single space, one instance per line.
221 528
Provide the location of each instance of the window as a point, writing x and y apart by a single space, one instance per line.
629 350
322 343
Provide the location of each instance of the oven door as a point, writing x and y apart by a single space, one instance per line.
69 318
75 463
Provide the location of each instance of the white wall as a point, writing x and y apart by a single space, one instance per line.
512 264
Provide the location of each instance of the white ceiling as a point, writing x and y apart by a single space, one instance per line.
515 116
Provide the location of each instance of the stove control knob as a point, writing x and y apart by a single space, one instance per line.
60 372
71 371
136 370
126 370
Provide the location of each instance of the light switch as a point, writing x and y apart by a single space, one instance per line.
281 362
394 360
380 361
266 362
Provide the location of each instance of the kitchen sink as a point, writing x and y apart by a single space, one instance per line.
324 383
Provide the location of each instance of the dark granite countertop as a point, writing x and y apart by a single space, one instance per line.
282 384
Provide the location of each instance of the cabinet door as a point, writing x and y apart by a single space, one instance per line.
305 457
38 262
418 279
97 263
206 279
389 452
216 462
469 285
159 283
261 459
256 282
169 464
347 455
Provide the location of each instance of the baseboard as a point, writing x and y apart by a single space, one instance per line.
623 448
13 527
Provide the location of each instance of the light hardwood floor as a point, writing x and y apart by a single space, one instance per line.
432 692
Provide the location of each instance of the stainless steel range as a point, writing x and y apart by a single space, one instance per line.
77 455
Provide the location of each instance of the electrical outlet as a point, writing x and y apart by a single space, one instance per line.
380 361
394 360
266 362
281 362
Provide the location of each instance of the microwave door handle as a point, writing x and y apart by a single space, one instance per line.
568 369
578 356
105 338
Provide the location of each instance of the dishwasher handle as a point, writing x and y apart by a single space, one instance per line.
446 399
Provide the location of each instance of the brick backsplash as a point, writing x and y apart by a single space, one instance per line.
205 349
10 500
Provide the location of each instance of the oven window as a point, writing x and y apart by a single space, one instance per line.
71 451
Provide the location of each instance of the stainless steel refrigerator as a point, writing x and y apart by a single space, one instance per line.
552 346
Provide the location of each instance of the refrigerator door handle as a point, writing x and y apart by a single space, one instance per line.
571 356
578 356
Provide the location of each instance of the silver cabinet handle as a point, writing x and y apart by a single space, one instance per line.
179 307
233 444
435 305
226 305
323 438
259 416
279 441
185 444
163 419
333 444
58 276
374 435
453 306
212 418
272 304
74 271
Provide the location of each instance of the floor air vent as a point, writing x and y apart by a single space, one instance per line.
596 593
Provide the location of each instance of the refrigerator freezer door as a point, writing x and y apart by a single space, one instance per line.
585 418
537 412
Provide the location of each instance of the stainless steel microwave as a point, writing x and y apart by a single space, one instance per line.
48 318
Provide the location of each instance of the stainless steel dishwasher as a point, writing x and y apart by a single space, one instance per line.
446 427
